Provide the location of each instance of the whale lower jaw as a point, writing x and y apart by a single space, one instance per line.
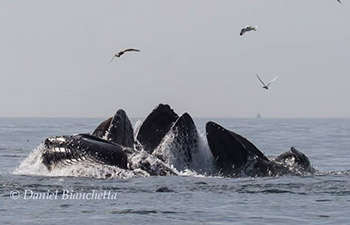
65 150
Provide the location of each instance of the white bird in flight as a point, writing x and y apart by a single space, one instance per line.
248 28
266 86
122 52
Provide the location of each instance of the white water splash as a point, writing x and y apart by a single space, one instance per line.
173 153
203 161
32 165
154 166
167 151
137 127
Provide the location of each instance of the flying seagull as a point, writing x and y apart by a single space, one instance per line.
266 86
122 52
339 1
248 28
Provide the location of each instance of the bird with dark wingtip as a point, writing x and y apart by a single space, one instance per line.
339 1
122 52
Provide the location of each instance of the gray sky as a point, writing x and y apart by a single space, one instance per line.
55 57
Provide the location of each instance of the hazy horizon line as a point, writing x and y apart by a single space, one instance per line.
137 117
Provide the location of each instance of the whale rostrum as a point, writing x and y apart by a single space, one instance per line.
116 129
155 127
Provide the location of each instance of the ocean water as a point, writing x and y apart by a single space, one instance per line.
324 198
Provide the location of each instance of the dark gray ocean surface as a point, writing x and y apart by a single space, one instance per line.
189 199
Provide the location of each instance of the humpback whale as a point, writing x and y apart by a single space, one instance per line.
155 127
116 129
228 150
179 144
296 157
150 164
82 147
235 155
167 144
102 129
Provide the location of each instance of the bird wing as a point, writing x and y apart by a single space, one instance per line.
242 31
260 80
339 1
131 50
272 81
112 59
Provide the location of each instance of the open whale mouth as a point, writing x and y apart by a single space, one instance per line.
82 147
228 151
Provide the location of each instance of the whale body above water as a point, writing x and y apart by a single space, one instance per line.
166 144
